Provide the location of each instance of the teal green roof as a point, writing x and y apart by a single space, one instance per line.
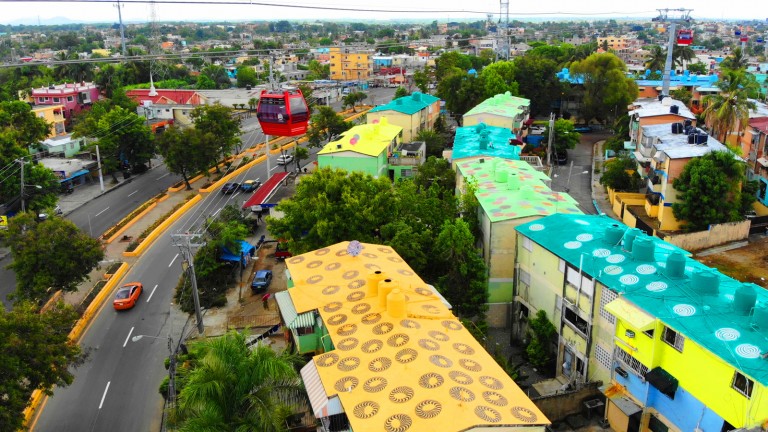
484 140
501 104
513 189
410 104
717 319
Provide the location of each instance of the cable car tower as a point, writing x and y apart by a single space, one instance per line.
673 17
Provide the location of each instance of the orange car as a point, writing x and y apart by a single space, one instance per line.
127 296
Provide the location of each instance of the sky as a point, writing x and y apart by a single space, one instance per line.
441 10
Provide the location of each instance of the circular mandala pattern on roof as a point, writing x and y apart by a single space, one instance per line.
748 351
524 414
314 279
441 361
462 394
536 227
355 296
601 253
488 414
337 319
379 364
401 394
581 222
491 382
370 255
372 266
428 409
321 252
665 246
629 279
360 308
451 325
438 335
470 365
398 340
375 384
613 270
406 355
727 334
371 346
431 380
429 344
348 363
395 259
463 348
332 306
346 329
296 260
347 344
432 309
331 289
371 318
347 383
314 264
405 272
616 258
341 253
366 409
384 250
572 245
411 324
383 328
333 266
494 398
423 291
646 269
327 359
656 286
356 284
460 377
350 274
584 237
398 423
684 310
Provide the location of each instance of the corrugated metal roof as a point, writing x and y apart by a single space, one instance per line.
322 406
292 319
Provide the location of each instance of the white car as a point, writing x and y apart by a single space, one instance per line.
536 130
284 159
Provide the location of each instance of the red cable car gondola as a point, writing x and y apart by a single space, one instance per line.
684 37
744 39
283 112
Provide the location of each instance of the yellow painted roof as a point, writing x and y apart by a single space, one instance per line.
422 371
367 139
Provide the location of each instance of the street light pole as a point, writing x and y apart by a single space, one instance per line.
21 163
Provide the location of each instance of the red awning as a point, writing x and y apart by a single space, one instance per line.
266 190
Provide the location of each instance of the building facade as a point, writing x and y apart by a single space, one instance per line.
75 97
414 113
349 64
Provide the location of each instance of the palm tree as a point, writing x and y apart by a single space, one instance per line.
737 60
252 102
656 59
729 108
682 55
233 387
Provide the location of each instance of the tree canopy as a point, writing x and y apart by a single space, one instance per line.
728 110
607 89
621 175
566 136
217 122
186 151
325 124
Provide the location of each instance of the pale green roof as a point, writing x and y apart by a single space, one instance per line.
501 104
367 139
410 104
513 189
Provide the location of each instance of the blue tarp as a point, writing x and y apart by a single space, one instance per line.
246 249
74 175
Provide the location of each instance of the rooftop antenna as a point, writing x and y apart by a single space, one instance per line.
122 27
679 16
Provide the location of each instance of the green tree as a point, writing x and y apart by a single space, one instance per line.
435 141
49 255
728 111
234 387
542 333
682 94
656 59
421 80
738 60
353 99
566 136
499 78
204 82
709 191
681 55
607 89
401 92
218 75
697 68
246 76
217 122
537 81
325 124
436 170
318 71
300 154
183 152
37 355
621 175
448 63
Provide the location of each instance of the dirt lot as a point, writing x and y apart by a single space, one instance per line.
748 264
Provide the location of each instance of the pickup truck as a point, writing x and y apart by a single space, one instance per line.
282 252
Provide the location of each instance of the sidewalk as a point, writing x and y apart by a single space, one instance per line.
599 194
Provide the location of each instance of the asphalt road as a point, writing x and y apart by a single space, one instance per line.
575 177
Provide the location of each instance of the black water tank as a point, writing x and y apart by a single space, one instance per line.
677 128
692 138
688 123
701 138
687 130
674 109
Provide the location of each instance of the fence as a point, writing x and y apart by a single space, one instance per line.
716 235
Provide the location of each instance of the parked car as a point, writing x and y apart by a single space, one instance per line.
127 296
536 130
561 157
284 159
582 128
282 252
261 281
229 188
250 185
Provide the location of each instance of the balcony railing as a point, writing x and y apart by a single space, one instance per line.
405 160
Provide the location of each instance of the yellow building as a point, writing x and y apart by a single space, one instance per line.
54 115
350 65
614 42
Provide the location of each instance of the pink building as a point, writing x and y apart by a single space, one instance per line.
75 97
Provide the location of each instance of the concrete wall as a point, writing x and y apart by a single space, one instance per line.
717 234
498 315
558 407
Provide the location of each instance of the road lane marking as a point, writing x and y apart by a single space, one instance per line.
97 214
104 395
164 175
151 294
132 193
172 261
127 337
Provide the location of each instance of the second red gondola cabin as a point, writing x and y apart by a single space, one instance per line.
283 112
685 37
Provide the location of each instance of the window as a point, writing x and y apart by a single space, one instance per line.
302 331
631 362
56 100
576 321
70 99
527 244
603 357
742 384
607 297
649 333
673 338
656 425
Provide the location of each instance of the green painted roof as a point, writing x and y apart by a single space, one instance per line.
719 321
513 189
501 104
292 319
410 104
367 139
484 140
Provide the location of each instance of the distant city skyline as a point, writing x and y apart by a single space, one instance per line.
43 12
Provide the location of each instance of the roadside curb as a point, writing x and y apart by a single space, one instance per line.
162 227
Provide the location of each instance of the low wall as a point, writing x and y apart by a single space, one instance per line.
559 406
498 315
716 235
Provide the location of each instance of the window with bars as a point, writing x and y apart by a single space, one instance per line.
742 384
673 338
606 297
527 244
631 362
603 356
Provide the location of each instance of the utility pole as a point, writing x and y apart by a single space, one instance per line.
684 17
551 141
504 15
185 243
21 164
122 28
98 164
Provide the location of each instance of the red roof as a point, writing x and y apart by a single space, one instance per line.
166 97
266 190
760 123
